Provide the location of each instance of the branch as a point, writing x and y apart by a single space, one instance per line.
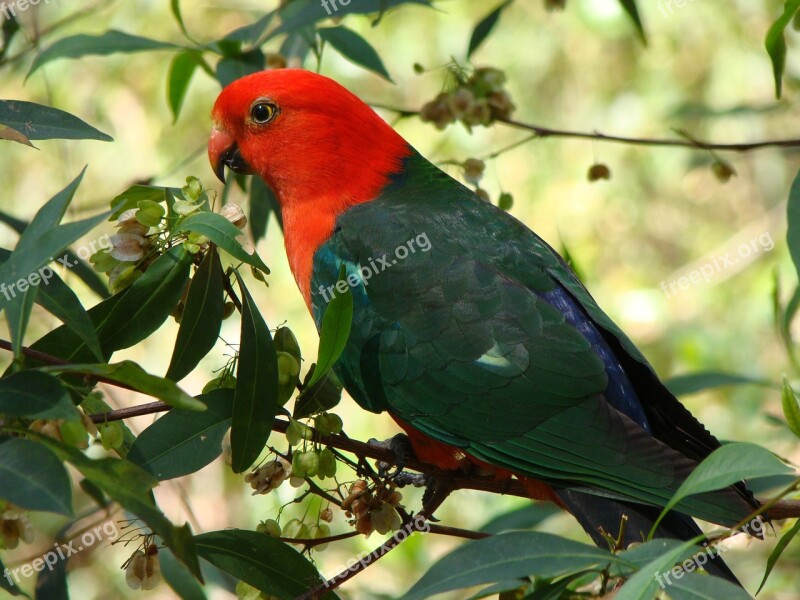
687 142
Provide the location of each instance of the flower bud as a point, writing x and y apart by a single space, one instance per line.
234 213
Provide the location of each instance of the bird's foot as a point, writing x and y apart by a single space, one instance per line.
401 447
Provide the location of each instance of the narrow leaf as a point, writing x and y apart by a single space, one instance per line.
793 222
264 562
725 466
262 204
255 401
633 12
694 586
58 299
110 42
508 556
180 75
683 385
148 302
23 265
128 485
335 331
130 374
182 442
645 583
791 407
178 577
33 478
775 43
35 395
354 48
484 28
777 551
223 233
38 122
202 317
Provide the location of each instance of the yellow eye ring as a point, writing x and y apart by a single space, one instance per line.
263 112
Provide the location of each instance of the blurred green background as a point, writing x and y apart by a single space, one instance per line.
662 213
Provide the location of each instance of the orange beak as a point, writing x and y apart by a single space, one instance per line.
223 152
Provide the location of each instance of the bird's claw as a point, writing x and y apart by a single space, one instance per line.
401 447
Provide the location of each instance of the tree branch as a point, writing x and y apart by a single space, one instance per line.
688 141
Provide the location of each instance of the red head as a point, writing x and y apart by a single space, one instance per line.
305 135
320 148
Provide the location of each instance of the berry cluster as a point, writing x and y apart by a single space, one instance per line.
480 99
373 509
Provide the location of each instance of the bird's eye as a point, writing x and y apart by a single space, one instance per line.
263 112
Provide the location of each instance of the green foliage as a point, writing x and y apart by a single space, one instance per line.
51 393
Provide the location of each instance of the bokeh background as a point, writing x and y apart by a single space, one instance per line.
662 213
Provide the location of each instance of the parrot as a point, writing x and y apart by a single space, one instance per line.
468 329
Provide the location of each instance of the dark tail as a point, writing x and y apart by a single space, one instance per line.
596 512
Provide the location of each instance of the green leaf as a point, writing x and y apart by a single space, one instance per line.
263 203
24 264
51 584
182 442
484 28
354 48
180 75
130 374
129 486
202 317
508 556
633 12
223 233
175 6
178 577
19 307
262 561
93 404
148 302
255 401
644 584
250 34
231 68
791 407
110 42
5 583
323 395
66 344
694 586
131 197
335 331
526 517
38 122
777 551
33 478
58 299
35 395
18 313
793 222
84 272
683 385
725 466
775 43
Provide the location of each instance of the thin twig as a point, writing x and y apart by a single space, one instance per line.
688 142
